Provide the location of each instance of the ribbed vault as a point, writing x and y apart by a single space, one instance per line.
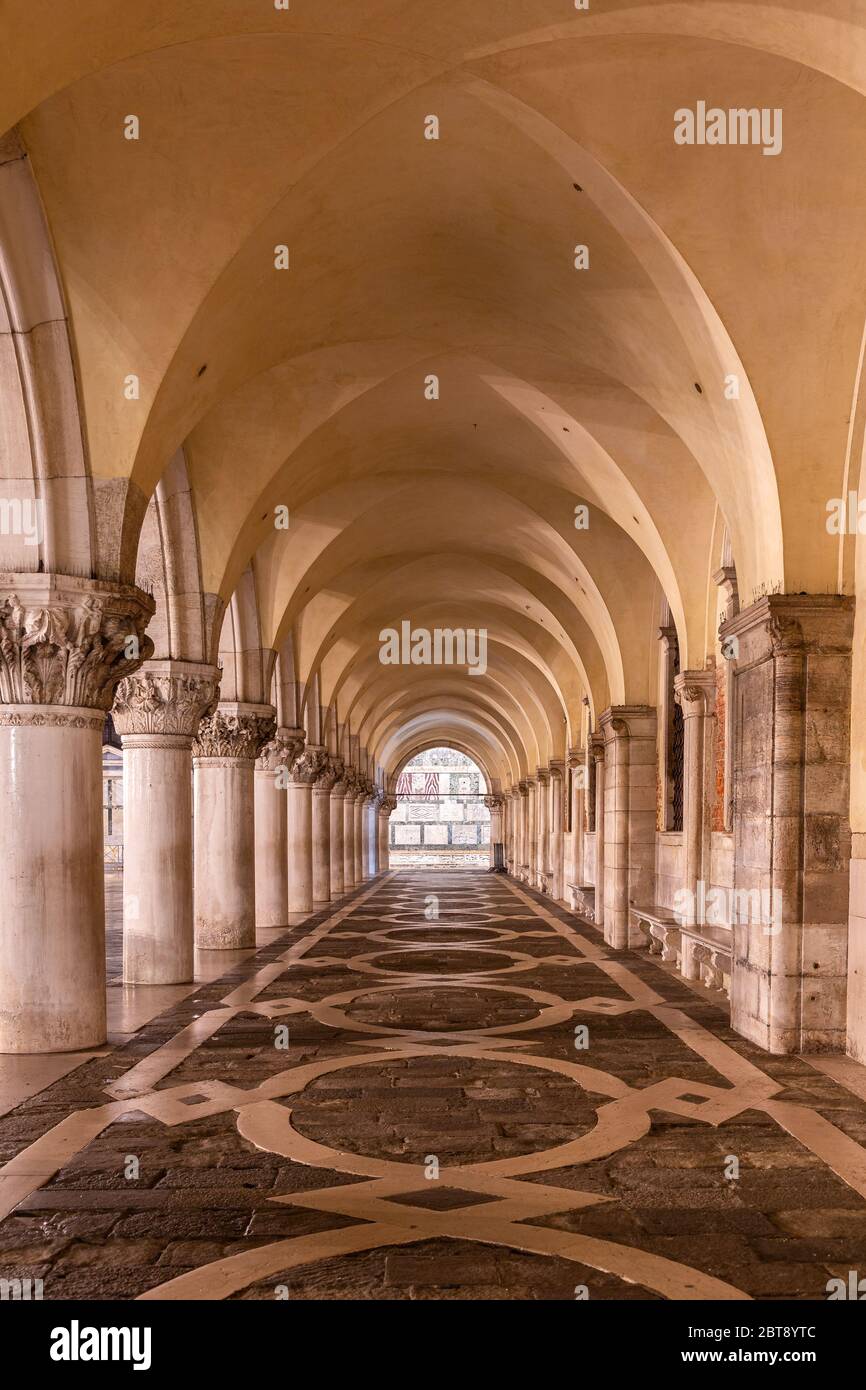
432 394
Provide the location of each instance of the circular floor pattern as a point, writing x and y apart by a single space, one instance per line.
440 935
455 1008
444 960
490 1108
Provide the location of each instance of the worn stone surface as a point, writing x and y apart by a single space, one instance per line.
432 1073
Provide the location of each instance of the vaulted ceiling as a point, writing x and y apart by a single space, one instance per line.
412 258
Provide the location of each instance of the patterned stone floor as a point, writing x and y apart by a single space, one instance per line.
446 1088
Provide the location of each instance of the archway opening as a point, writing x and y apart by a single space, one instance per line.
440 820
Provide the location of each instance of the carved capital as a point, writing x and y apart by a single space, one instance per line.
695 692
596 747
387 805
309 767
339 787
330 774
282 751
234 732
69 641
169 697
494 802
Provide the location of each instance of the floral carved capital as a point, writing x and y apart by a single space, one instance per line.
282 751
309 767
69 641
164 702
329 775
241 736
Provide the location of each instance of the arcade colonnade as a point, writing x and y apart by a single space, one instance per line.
232 822
336 331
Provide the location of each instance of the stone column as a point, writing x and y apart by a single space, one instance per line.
271 782
542 805
157 713
531 831
386 806
506 831
337 811
373 822
513 824
322 832
523 832
577 766
351 778
362 835
224 753
360 802
792 689
65 644
299 826
630 752
495 804
695 692
557 887
596 750
542 822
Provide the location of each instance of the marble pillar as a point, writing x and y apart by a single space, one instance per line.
574 871
695 692
596 751
630 757
513 852
65 644
224 753
557 887
305 772
157 714
532 832
542 832
351 779
373 825
386 806
495 804
337 812
360 810
522 872
272 770
322 832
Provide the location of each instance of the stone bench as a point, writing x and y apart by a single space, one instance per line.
661 929
582 899
701 952
706 953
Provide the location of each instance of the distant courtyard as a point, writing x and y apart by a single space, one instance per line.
440 817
